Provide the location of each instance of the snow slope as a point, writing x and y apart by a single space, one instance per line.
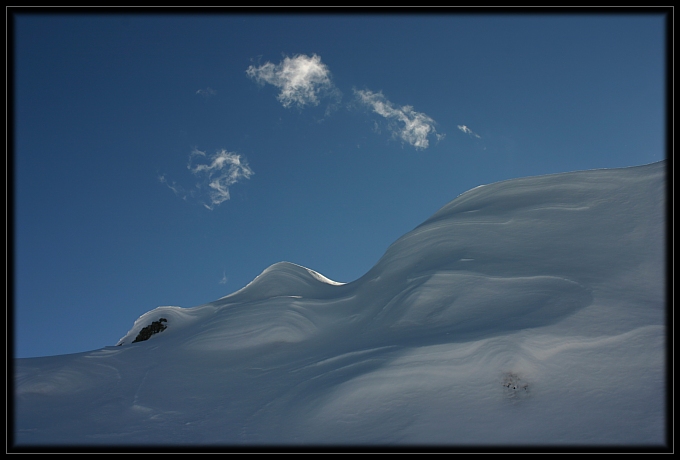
526 312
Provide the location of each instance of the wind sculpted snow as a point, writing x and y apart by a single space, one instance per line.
529 311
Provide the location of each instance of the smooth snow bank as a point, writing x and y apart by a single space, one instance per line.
529 311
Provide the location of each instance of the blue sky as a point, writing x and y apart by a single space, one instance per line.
168 159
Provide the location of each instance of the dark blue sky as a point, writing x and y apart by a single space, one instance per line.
347 132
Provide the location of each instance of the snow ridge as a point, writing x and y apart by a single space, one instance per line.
514 302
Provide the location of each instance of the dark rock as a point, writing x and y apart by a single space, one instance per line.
153 328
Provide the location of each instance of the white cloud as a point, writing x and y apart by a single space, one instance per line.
224 278
301 79
222 170
411 126
467 130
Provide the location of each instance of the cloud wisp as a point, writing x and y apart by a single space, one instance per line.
208 92
177 189
467 130
302 79
222 170
411 126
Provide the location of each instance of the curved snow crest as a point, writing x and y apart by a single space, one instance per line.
566 191
284 279
570 225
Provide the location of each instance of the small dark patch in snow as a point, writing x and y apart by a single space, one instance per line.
514 386
153 328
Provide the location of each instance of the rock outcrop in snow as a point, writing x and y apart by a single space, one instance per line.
154 328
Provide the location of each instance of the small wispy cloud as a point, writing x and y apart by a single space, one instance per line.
216 174
411 126
206 92
467 130
221 171
302 79
224 278
177 189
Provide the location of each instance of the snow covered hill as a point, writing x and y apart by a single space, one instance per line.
526 312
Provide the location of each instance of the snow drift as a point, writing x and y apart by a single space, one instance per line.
529 311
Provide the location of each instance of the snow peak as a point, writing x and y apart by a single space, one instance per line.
154 328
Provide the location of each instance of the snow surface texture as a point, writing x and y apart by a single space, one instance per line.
526 312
